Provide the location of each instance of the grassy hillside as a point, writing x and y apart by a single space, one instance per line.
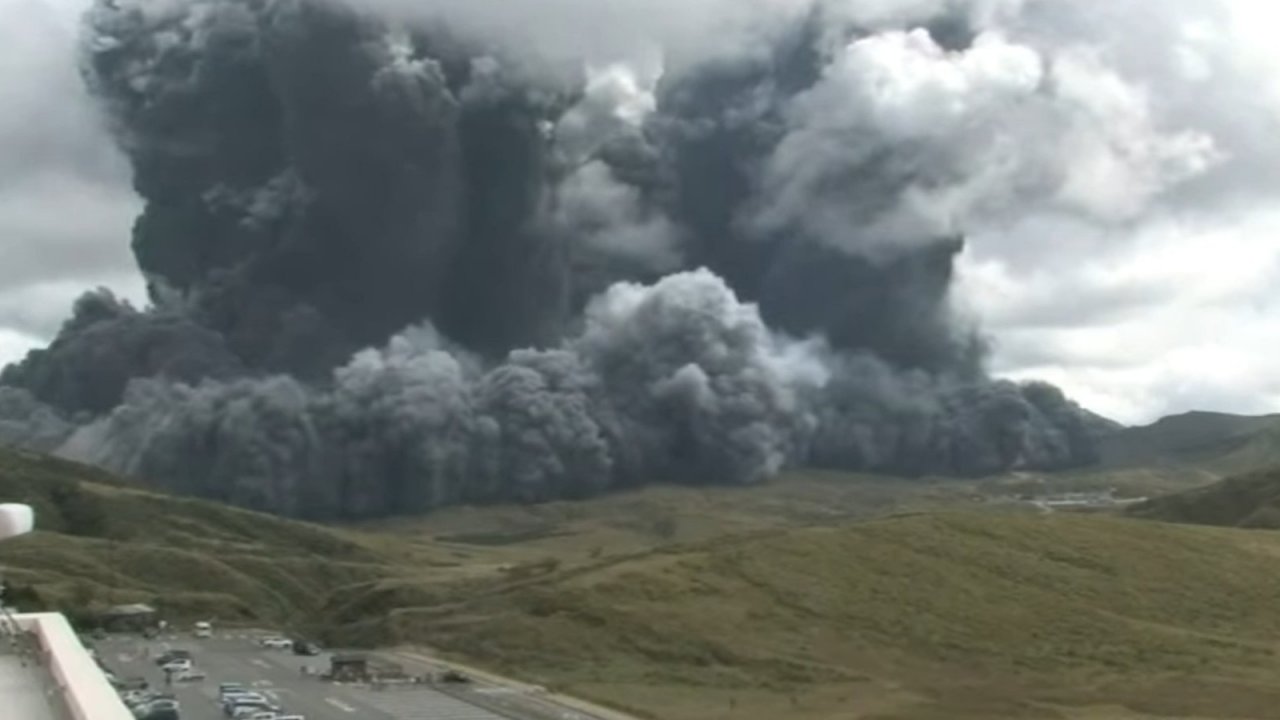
639 520
921 616
1215 442
101 542
821 596
1249 501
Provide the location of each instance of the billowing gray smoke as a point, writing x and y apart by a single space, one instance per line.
602 287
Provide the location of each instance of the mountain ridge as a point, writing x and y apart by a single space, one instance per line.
1221 442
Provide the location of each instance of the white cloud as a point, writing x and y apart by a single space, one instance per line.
1185 316
1177 306
948 141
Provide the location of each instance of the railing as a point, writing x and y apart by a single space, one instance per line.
24 645
77 688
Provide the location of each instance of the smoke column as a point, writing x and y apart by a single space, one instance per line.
396 263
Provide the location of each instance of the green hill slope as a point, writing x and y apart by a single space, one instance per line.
752 604
100 541
926 616
1249 501
1213 441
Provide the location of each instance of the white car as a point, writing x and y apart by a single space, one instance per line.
243 706
231 699
277 643
177 666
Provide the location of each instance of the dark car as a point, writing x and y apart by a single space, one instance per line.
305 647
453 676
170 655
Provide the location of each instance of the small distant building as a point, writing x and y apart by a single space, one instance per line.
349 668
129 618
360 668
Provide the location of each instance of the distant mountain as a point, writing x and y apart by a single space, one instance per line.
1251 501
1218 442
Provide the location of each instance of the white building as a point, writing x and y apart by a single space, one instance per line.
45 672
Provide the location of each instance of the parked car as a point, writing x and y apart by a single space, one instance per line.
305 647
163 709
231 697
246 710
189 675
169 656
275 642
177 666
242 705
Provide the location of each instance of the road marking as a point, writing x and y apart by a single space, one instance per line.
261 663
420 704
340 705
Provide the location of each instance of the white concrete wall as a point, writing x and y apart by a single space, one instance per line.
84 688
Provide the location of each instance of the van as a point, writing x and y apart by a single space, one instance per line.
204 629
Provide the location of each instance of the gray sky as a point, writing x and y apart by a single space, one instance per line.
65 202
1148 282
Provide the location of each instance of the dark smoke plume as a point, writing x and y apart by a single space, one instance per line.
594 300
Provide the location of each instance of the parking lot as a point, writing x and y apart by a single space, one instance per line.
238 657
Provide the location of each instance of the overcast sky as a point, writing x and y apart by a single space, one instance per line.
1176 308
65 202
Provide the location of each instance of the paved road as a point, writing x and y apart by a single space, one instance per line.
505 697
277 674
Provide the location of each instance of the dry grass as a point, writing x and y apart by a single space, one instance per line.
930 616
821 596
102 542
